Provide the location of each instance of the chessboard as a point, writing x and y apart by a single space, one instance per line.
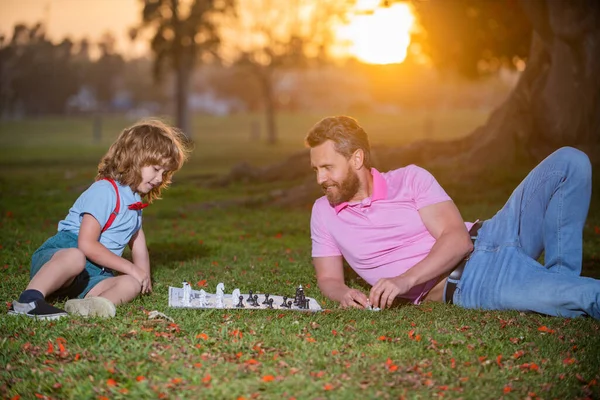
186 297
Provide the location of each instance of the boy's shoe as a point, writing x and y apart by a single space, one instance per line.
91 307
38 309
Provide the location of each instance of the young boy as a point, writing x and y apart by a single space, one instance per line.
83 260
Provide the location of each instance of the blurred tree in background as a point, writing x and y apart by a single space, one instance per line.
184 34
557 45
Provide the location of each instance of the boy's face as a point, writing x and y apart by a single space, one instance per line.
152 176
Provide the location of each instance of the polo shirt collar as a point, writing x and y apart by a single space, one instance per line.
379 191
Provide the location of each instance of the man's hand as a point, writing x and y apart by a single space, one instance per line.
354 298
386 290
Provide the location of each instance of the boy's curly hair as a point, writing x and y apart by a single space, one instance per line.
148 142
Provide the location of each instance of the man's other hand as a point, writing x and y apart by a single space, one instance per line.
386 290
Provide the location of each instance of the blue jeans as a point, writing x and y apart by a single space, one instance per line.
546 213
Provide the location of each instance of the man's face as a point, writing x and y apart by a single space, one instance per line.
335 173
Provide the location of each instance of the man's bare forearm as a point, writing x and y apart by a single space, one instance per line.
333 289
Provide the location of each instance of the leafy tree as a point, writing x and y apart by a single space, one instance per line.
184 33
283 35
557 99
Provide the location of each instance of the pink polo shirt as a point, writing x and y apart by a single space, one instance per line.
383 235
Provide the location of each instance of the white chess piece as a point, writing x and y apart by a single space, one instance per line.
202 298
187 293
220 291
235 295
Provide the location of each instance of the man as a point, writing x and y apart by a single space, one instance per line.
403 235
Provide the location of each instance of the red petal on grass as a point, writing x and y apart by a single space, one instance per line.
140 378
268 378
499 360
206 379
202 336
176 381
77 356
518 354
111 382
103 398
252 361
198 365
393 368
328 386
568 361
507 389
382 338
544 328
201 283
334 332
57 385
123 390
50 348
334 352
15 397
452 363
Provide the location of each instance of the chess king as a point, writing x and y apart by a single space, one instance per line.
403 234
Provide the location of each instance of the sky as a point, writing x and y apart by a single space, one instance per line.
74 18
381 37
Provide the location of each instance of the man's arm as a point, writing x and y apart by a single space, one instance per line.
140 256
453 243
330 277
88 243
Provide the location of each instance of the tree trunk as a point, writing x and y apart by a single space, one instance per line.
265 76
182 84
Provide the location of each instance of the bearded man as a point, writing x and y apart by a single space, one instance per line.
403 234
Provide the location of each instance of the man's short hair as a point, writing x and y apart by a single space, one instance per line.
346 134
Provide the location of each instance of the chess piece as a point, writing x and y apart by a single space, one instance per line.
219 297
270 303
241 303
202 298
266 298
284 301
250 298
187 294
235 294
306 306
289 305
255 301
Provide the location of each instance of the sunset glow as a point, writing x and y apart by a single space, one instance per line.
381 36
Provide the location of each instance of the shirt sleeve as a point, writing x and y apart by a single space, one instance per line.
323 244
425 188
99 200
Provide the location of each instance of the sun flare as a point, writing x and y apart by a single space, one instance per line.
380 36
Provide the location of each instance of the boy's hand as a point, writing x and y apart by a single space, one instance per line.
143 278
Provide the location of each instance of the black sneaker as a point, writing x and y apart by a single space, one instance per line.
38 309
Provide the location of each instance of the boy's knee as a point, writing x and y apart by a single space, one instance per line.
76 257
134 286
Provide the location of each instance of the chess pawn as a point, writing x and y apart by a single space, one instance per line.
284 302
241 303
270 303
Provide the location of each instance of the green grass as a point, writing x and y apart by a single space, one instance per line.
195 234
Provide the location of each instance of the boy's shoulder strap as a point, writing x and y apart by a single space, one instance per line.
113 215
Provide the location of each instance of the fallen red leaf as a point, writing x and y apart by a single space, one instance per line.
328 386
268 378
201 283
140 378
111 382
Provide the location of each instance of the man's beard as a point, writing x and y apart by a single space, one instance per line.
347 189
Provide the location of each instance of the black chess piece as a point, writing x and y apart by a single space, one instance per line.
241 303
250 295
266 298
256 301
284 301
270 303
306 306
289 305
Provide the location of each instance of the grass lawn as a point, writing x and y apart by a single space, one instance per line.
432 350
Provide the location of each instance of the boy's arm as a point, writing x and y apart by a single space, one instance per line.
140 256
330 278
88 243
